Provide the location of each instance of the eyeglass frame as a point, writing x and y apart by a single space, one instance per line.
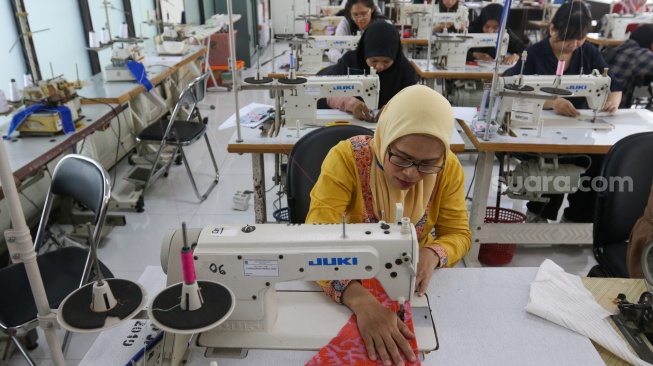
361 15
437 168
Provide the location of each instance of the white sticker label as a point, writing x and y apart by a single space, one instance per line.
522 110
321 44
261 267
312 90
224 231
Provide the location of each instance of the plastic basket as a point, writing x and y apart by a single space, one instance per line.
496 254
281 215
222 74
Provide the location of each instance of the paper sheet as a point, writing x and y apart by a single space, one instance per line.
231 121
561 298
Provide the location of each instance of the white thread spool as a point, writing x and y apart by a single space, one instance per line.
4 106
104 36
14 95
124 32
93 40
27 80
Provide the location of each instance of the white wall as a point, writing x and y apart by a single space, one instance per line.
12 63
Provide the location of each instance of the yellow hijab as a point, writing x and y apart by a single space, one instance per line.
416 109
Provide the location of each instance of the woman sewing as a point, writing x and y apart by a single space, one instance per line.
565 47
358 15
488 22
379 48
408 161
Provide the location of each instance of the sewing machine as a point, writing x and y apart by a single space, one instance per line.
171 42
614 25
52 93
312 51
117 71
450 50
522 107
250 260
300 102
423 23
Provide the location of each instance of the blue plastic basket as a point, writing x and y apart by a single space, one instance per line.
281 215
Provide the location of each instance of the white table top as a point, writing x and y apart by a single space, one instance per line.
556 138
479 317
473 71
288 135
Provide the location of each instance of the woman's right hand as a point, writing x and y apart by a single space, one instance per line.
564 107
360 111
482 56
381 329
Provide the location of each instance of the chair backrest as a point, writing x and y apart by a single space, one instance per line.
192 94
84 180
305 165
628 172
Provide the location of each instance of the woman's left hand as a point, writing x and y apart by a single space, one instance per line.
428 260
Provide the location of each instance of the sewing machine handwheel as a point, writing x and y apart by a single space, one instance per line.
647 264
253 80
166 313
516 87
292 81
556 91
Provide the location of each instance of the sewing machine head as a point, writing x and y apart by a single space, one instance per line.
312 50
250 260
423 23
450 50
614 25
523 107
300 102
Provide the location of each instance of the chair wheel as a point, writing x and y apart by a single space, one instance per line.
130 160
178 160
165 175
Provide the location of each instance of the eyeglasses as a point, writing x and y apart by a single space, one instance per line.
422 168
360 15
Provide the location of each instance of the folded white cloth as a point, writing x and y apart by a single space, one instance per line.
561 298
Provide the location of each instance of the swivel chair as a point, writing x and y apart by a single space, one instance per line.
305 165
178 134
62 270
619 207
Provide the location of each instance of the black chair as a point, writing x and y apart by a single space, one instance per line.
65 269
178 134
305 165
617 209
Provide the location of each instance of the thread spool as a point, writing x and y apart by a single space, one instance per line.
27 80
187 266
124 32
561 68
4 106
14 95
93 40
104 36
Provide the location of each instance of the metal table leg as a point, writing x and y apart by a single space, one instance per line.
258 169
479 204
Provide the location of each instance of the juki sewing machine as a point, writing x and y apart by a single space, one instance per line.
523 96
250 260
450 50
614 25
300 102
312 51
422 23
117 71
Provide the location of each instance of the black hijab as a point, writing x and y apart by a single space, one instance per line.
490 12
379 39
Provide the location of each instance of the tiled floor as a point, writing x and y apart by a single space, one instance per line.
170 201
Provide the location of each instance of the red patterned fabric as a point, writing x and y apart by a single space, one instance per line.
348 348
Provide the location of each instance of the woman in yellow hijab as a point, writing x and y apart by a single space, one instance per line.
407 161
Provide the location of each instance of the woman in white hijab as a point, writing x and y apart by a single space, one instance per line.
407 161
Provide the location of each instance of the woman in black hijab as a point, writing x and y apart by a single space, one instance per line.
380 48
488 22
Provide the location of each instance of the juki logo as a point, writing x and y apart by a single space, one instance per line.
343 87
576 87
334 261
